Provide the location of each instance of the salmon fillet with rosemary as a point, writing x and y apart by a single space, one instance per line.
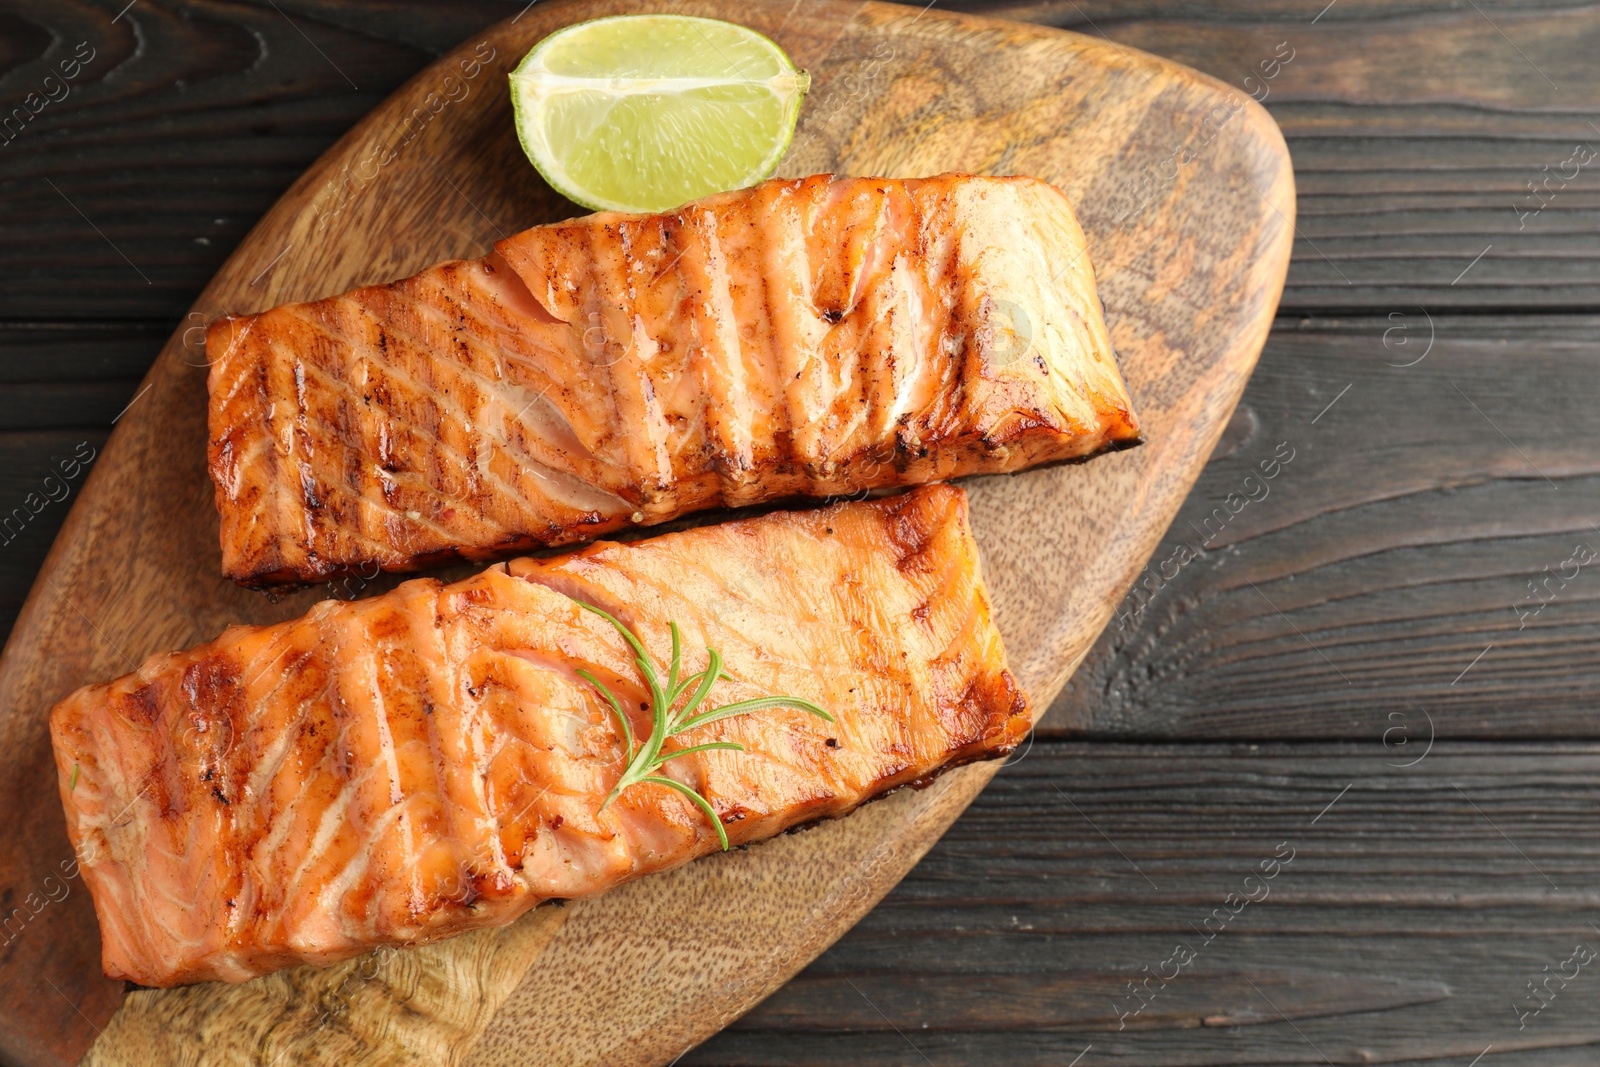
813 337
439 758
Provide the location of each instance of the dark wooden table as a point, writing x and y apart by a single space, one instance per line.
1329 790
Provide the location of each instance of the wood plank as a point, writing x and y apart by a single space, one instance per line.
1395 547
82 351
48 405
40 473
1414 127
1417 906
61 385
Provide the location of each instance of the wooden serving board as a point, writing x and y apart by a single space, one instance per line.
1185 189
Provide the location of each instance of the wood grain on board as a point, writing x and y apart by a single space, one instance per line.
1190 265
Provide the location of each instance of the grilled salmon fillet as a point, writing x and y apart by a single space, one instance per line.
403 768
808 337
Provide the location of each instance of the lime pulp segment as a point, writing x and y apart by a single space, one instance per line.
647 112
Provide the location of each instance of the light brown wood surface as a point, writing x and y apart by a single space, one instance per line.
1185 190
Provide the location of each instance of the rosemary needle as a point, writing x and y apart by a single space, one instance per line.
646 756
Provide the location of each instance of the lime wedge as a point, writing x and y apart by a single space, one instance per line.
647 112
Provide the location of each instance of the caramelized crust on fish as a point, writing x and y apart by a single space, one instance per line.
811 337
418 764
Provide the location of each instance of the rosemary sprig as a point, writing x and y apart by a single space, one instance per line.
665 723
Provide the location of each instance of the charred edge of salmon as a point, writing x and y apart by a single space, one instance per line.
1121 444
275 578
966 757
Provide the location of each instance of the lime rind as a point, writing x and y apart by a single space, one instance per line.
646 112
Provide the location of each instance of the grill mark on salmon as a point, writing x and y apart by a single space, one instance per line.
425 762
819 336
